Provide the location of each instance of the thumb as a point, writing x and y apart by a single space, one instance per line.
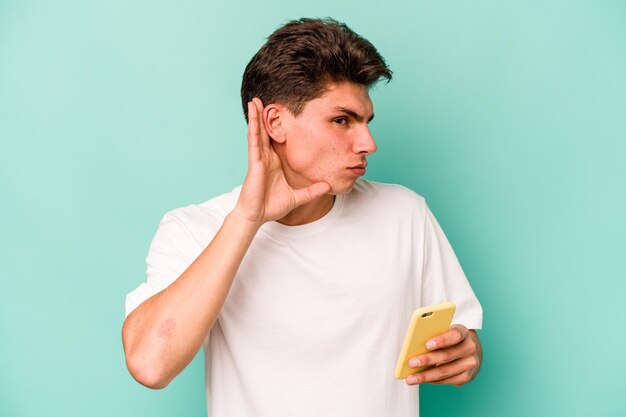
310 193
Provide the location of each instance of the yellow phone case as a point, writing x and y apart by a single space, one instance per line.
426 323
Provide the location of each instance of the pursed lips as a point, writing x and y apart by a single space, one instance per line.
362 165
359 169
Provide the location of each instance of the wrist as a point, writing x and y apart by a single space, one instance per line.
243 221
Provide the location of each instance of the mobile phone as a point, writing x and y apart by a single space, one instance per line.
426 323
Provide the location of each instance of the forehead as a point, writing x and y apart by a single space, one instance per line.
354 97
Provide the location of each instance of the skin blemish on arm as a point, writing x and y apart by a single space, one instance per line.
166 328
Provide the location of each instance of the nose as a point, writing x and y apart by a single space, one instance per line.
364 142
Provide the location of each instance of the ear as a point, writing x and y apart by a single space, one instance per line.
273 122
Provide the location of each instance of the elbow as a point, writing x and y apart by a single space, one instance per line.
144 368
147 375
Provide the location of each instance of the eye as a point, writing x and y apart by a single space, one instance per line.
341 120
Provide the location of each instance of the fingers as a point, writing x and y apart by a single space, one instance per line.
310 193
258 139
455 364
455 335
263 135
254 141
457 373
466 348
260 125
457 380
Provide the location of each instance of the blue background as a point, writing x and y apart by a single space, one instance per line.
508 116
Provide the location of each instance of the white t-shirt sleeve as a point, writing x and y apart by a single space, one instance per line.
168 257
443 278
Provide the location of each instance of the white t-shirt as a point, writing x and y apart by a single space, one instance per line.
315 318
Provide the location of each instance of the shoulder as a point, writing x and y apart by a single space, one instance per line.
388 194
376 201
203 219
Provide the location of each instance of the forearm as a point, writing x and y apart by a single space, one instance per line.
165 332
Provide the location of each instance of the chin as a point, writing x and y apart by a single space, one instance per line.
337 189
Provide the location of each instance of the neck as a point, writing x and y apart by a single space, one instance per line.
310 212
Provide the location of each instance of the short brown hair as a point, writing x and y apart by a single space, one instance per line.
301 58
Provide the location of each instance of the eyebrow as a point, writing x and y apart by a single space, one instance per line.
353 114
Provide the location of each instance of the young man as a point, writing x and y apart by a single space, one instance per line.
299 285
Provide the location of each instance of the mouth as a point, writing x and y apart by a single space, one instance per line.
358 170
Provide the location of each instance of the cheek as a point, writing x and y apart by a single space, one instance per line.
311 161
313 153
325 164
306 150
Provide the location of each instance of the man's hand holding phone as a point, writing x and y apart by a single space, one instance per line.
455 357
